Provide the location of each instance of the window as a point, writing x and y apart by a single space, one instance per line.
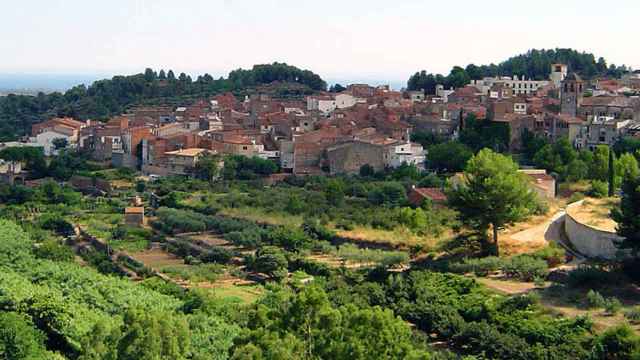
244 148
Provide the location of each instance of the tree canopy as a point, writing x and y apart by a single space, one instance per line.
105 98
535 64
492 194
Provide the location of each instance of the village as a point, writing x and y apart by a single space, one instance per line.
221 197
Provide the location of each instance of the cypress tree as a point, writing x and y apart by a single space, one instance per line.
612 173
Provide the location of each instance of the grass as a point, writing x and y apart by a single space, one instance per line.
195 273
244 294
262 216
398 238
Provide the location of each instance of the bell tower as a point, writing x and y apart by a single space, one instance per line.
571 90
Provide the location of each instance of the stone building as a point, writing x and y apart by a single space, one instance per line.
571 94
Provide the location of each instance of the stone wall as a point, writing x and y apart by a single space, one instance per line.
588 240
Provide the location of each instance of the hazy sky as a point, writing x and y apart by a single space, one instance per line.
335 38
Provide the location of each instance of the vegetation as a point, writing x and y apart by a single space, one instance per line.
628 215
111 97
492 194
535 64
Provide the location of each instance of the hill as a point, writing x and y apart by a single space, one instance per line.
105 98
535 64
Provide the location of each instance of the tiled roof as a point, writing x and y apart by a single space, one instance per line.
434 194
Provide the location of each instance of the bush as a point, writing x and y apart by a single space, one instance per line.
525 268
217 254
599 189
591 277
617 343
250 238
553 254
612 306
595 300
633 315
575 197
272 261
53 250
479 267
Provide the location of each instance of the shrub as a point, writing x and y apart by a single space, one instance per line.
53 250
525 268
599 189
480 267
591 277
633 315
617 343
595 300
553 254
217 254
612 306
575 197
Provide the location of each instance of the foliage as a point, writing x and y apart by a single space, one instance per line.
478 135
306 325
535 64
271 261
492 193
448 157
237 167
599 189
595 300
109 97
19 339
53 250
619 342
627 215
85 315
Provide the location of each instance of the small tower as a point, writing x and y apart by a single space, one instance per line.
571 90
558 73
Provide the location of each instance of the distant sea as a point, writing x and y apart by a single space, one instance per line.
31 84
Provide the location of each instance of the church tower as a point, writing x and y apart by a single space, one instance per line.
571 91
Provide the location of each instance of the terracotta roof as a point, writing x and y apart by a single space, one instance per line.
187 152
435 194
618 101
134 210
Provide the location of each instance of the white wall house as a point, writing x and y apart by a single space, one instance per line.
409 153
326 105
46 138
344 101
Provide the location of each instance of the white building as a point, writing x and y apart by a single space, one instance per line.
520 86
558 73
46 139
442 93
344 101
401 153
324 104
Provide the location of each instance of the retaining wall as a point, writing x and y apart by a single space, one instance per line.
588 240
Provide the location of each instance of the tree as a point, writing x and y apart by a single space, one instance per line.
617 343
271 261
337 88
59 143
627 215
207 167
600 166
626 167
612 173
367 170
448 157
20 339
492 194
153 335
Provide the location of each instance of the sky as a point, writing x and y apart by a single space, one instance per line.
338 39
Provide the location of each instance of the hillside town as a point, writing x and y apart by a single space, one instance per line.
338 133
